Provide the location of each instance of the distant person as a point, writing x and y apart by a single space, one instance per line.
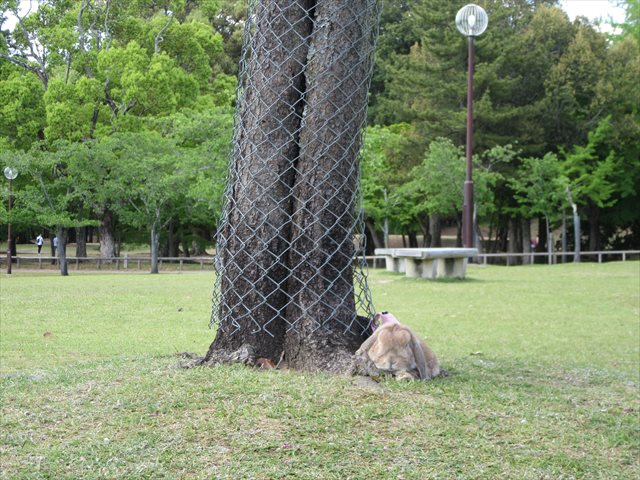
54 249
39 242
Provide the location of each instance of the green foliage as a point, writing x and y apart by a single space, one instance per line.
145 166
539 187
541 84
436 184
383 171
631 25
591 169
435 187
22 115
53 197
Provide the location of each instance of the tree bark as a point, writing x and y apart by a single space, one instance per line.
425 221
173 240
511 242
374 239
255 242
549 235
106 229
542 236
81 242
327 331
435 227
413 238
564 236
287 245
155 245
526 240
594 228
61 233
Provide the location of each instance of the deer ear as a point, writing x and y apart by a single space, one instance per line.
418 354
366 345
376 322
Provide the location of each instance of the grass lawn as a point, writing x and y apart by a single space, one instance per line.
544 365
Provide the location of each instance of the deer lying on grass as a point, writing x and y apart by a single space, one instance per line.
394 348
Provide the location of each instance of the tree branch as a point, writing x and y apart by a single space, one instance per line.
159 37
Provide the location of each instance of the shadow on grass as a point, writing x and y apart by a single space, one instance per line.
403 277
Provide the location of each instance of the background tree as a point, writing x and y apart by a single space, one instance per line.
540 189
145 166
591 171
383 171
81 71
53 199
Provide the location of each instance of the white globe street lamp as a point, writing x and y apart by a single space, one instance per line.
471 21
11 174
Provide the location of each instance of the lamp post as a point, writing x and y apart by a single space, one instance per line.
10 173
471 21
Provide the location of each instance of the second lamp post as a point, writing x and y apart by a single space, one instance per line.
471 21
11 174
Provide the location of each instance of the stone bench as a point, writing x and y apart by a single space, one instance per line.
428 262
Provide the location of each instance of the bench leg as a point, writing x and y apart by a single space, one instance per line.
389 263
429 268
395 265
451 267
460 267
413 267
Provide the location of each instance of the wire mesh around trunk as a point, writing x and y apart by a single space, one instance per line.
290 245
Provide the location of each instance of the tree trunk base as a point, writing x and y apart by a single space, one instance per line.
244 355
364 371
337 363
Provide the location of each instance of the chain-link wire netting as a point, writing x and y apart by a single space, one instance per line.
290 245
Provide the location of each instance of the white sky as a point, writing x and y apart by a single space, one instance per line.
593 10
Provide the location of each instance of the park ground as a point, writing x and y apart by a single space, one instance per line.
543 363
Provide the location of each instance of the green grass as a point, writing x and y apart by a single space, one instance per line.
544 365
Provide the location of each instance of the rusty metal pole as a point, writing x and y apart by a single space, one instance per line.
467 212
9 229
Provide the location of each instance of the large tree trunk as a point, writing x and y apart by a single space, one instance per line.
326 332
287 244
106 229
256 239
